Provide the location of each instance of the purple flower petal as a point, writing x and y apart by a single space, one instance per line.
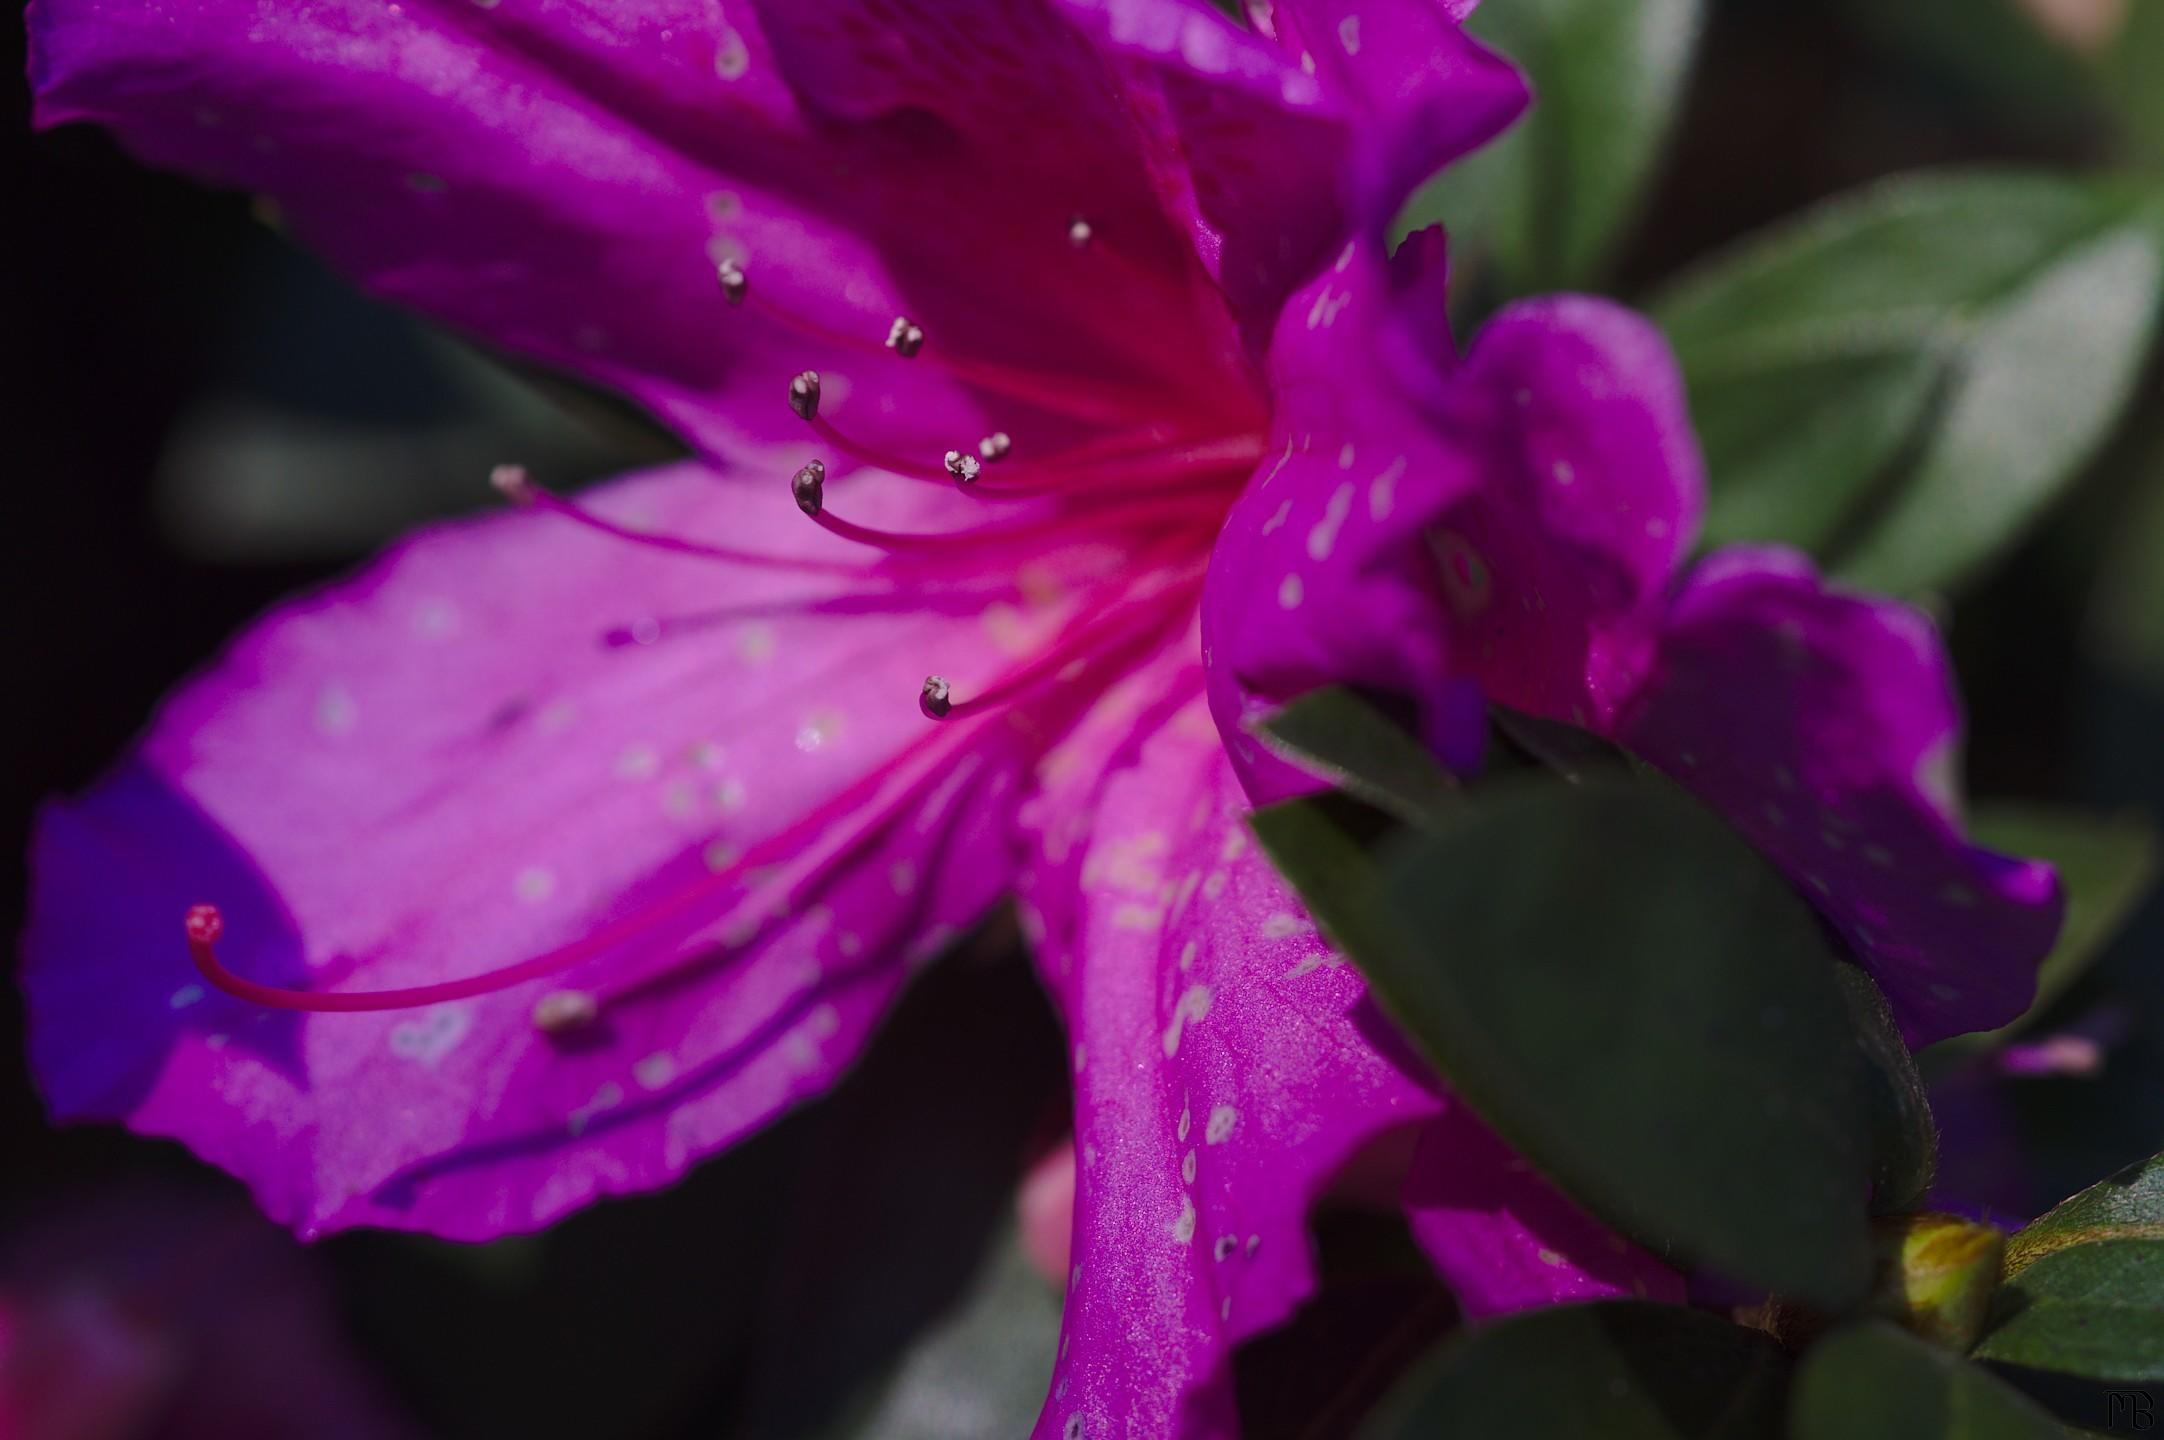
1825 726
502 737
564 180
1505 1239
1425 91
1223 1072
1509 522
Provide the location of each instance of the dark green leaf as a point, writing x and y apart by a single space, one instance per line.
1649 1012
1317 844
1341 736
1904 1138
1570 752
2126 614
2094 1310
1875 1381
1541 209
1620 1370
2127 1206
1904 378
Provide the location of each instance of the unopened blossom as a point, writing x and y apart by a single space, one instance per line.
1043 359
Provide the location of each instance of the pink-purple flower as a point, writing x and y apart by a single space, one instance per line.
1059 411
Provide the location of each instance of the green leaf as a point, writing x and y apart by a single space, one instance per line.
1340 735
1904 1137
2128 1205
1875 1381
1648 1012
1902 379
979 1370
2094 1310
2126 613
1621 1370
1542 208
1321 847
2107 863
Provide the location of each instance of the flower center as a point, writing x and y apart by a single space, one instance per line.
1148 481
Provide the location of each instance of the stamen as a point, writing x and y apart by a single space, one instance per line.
734 283
514 483
962 467
564 1012
994 446
937 697
904 338
804 395
809 486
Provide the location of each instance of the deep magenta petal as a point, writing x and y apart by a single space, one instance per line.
1825 726
504 736
1223 1073
1510 520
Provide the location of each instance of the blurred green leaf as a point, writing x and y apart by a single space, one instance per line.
1902 379
1875 1381
2126 612
1646 1010
2094 1310
1621 1370
1904 1138
1542 208
1995 47
2128 1205
1573 753
976 1373
1340 735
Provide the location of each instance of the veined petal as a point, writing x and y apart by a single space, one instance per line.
1825 726
1223 1072
1505 525
563 180
503 737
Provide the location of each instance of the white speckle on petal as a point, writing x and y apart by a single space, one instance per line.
755 644
434 1033
902 875
1193 1007
638 762
1219 1128
1187 956
1290 592
534 884
656 1070
1323 538
1383 489
185 996
731 58
1548 1257
1187 1168
1214 886
434 619
1348 34
336 712
729 795
1282 926
1183 1229
1277 521
1345 456
607 1098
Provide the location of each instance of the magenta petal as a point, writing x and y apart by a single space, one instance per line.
1825 726
1425 91
497 739
1504 1238
1223 1073
564 180
1510 521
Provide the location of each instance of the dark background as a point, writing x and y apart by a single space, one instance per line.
161 341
